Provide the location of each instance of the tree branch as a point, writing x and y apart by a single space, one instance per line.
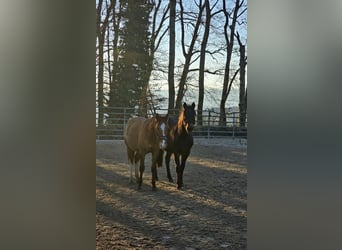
242 12
215 72
161 38
182 27
231 82
164 18
216 12
214 6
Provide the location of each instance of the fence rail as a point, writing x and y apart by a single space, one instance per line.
115 119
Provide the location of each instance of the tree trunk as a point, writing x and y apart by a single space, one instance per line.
109 66
144 102
202 64
230 45
182 82
172 42
242 96
116 28
246 102
101 27
100 93
100 64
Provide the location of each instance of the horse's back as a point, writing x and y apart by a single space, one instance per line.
133 128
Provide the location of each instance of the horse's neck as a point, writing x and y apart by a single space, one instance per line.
180 126
150 131
181 131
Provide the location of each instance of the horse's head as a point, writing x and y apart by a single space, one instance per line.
189 115
162 129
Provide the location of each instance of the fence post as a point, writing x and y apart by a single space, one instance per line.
233 124
209 117
124 121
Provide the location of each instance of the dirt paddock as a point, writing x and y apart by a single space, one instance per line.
210 213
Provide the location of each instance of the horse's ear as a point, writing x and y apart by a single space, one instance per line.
193 105
184 105
157 117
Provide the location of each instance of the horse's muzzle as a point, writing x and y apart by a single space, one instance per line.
163 144
190 127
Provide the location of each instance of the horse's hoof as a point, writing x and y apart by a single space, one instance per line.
154 189
180 187
171 180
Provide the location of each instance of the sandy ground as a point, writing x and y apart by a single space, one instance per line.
210 213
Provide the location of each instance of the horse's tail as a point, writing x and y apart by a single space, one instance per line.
160 158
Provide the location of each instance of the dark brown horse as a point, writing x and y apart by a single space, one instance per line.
144 136
180 141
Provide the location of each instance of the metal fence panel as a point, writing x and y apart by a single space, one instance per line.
115 119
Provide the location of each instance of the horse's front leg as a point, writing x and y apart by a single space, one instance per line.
154 168
167 162
181 170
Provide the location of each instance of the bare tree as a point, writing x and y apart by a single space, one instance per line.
117 18
202 63
158 32
188 53
101 27
172 41
229 37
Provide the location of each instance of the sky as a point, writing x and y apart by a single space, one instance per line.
213 83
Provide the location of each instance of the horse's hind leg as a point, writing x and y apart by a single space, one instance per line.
154 173
160 158
159 162
130 155
142 168
136 168
167 162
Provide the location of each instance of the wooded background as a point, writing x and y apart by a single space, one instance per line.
142 45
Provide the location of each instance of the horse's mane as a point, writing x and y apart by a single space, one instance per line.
180 122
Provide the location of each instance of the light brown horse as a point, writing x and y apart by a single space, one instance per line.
143 136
